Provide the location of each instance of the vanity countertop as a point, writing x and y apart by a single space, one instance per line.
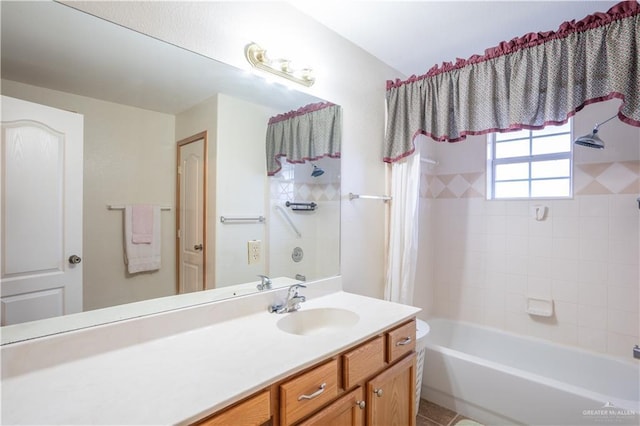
185 376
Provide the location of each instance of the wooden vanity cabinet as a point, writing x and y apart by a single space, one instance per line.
391 395
253 411
304 394
348 410
371 384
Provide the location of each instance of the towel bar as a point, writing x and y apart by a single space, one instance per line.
384 198
224 219
121 207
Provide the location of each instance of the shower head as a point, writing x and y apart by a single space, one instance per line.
317 171
592 140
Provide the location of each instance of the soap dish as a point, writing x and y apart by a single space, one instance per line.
539 307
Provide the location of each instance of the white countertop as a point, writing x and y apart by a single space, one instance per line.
185 376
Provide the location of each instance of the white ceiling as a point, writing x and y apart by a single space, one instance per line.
412 36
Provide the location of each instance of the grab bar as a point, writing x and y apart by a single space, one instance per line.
286 216
301 206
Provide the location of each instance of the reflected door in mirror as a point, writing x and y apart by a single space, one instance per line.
192 166
41 210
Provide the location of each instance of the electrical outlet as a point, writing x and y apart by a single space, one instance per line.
254 251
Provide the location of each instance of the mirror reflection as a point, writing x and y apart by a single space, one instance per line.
172 138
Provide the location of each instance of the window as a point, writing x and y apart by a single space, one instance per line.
530 164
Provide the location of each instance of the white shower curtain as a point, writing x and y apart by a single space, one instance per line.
403 230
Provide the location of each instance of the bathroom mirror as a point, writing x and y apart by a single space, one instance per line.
139 97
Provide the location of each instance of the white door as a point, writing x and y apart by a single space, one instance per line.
192 172
41 192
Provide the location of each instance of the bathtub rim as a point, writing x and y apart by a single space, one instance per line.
610 357
624 404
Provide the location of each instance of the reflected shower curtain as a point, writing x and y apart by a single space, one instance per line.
403 230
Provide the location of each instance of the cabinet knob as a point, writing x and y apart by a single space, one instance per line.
361 404
378 392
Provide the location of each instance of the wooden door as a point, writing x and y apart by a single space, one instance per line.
346 411
41 186
391 395
191 216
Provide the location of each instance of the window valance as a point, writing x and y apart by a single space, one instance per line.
306 134
526 83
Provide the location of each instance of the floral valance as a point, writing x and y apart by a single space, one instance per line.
526 83
306 134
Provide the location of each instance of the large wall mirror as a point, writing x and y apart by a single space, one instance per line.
142 100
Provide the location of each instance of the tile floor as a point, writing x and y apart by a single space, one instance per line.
430 414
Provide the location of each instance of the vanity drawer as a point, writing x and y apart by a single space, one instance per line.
401 341
253 411
308 392
363 362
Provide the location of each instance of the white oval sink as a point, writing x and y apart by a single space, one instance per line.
317 321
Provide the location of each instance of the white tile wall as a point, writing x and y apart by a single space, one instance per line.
487 257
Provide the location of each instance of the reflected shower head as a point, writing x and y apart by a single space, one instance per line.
592 140
317 171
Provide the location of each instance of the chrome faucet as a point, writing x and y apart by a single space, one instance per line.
292 304
265 284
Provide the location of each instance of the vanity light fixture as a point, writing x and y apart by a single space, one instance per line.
257 57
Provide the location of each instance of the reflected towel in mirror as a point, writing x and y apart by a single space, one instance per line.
142 257
142 224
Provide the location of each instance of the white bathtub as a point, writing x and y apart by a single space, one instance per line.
497 377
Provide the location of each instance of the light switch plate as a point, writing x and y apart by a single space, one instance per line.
254 248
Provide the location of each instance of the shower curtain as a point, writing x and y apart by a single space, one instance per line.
403 230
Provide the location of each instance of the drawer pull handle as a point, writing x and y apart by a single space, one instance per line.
313 395
378 392
361 404
404 341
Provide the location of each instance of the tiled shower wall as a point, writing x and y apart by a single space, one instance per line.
481 259
319 241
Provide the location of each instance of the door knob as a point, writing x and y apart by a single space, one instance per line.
74 260
197 247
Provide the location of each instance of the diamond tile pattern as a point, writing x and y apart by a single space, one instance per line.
620 177
607 178
459 185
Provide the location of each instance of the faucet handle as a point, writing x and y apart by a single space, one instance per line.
265 283
293 290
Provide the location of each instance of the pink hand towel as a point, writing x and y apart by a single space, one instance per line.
142 224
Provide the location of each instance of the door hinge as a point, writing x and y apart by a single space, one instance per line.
179 234
179 170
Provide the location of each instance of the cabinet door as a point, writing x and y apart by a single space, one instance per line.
346 411
391 395
251 412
